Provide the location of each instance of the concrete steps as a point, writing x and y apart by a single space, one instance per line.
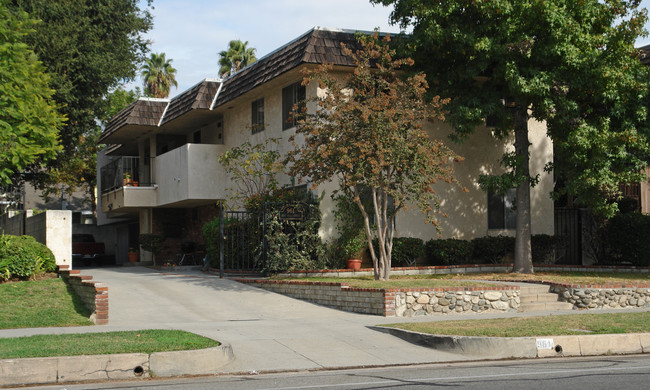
536 297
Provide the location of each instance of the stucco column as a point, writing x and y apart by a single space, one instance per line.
145 227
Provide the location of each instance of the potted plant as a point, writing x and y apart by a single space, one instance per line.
133 255
127 179
352 248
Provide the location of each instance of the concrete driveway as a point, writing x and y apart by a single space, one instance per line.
267 331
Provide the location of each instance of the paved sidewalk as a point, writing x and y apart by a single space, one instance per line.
267 331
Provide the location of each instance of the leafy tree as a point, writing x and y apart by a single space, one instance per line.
29 120
569 63
367 133
253 170
89 47
158 76
236 57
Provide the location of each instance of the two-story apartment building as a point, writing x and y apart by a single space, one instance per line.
162 169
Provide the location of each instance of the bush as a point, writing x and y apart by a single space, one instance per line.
543 247
294 245
23 257
448 252
492 250
232 241
406 250
628 238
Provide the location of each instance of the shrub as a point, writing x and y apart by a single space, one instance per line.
294 245
213 244
490 249
23 257
448 252
543 247
628 238
406 250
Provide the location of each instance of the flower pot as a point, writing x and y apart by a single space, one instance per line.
354 264
133 257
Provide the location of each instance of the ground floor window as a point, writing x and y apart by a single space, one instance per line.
501 210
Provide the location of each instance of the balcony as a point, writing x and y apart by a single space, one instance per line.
126 185
187 176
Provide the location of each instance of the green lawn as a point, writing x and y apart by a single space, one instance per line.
473 280
40 303
142 341
553 325
397 281
584 278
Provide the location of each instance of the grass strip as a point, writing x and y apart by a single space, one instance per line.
584 278
463 280
39 304
552 325
397 281
143 341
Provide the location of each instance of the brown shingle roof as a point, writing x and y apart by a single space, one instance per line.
143 111
317 46
198 97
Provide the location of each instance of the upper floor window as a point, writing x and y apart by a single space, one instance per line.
257 115
501 210
291 95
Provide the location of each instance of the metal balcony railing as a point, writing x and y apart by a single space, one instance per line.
125 172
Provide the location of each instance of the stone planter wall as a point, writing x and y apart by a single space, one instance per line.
410 304
603 297
397 302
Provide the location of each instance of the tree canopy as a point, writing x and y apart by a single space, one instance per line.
569 63
158 76
89 47
29 120
367 133
236 57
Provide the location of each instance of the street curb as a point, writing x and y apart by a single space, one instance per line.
51 370
528 347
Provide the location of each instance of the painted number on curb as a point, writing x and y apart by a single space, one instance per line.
545 344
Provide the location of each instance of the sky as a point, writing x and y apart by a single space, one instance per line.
192 32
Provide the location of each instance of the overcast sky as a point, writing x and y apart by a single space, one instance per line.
192 32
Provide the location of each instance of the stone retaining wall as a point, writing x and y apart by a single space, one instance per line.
417 303
603 297
93 294
397 302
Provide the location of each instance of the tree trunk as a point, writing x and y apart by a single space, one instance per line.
523 255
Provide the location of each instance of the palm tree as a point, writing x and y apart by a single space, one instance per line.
158 76
237 57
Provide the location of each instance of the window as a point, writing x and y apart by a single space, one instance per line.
257 115
291 95
501 210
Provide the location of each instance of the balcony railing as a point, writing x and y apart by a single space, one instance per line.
124 172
